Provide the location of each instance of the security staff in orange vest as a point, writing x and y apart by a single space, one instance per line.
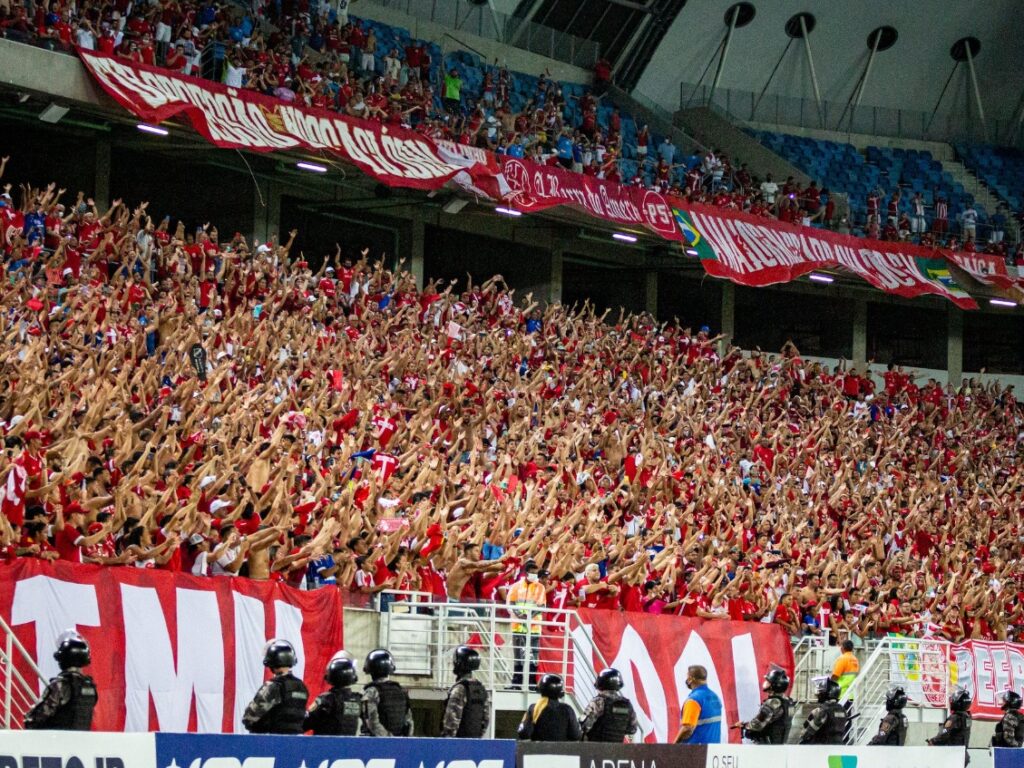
525 597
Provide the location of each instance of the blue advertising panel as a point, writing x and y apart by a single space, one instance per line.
184 750
1008 758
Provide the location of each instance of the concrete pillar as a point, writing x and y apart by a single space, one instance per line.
266 211
860 332
555 284
414 253
728 316
101 189
651 293
955 346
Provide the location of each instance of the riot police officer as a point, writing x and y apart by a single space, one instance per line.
772 722
892 731
1010 730
467 711
550 719
336 711
385 704
279 706
828 721
609 716
70 698
956 731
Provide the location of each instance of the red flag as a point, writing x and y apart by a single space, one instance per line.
633 463
13 505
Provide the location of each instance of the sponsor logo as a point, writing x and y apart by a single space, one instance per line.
842 761
228 762
55 761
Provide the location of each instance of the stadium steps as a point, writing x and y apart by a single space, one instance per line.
716 130
982 194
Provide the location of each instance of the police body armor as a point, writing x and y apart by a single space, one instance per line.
471 726
553 723
392 707
778 731
341 710
612 725
960 729
896 736
76 713
1010 730
833 730
289 715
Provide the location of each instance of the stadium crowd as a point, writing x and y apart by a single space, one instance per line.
317 55
181 400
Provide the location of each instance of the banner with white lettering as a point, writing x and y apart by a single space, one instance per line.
244 119
986 268
535 754
736 246
984 668
534 187
175 750
653 655
169 651
752 251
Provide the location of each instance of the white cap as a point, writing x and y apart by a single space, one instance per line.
207 481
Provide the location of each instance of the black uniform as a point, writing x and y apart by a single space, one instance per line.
956 731
466 711
557 722
772 722
826 724
67 703
335 712
892 731
1010 730
278 707
386 710
609 718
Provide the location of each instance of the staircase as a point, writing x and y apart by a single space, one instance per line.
422 636
982 195
20 679
920 666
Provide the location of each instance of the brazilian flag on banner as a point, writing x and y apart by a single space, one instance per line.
692 238
937 271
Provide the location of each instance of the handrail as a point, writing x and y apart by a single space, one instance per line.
26 693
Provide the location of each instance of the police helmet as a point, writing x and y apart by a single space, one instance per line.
72 650
279 653
551 686
609 680
828 690
776 680
895 699
341 671
1010 700
960 699
379 664
465 660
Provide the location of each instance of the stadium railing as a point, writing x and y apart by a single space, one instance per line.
19 694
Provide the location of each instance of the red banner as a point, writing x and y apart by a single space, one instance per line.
986 268
653 653
170 652
534 187
987 669
243 119
735 246
753 251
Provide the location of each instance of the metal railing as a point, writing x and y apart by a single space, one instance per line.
421 636
788 111
19 694
921 666
808 664
483 21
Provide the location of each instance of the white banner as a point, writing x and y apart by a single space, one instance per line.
737 755
78 750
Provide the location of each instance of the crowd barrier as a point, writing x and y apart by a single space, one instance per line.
1008 758
57 749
